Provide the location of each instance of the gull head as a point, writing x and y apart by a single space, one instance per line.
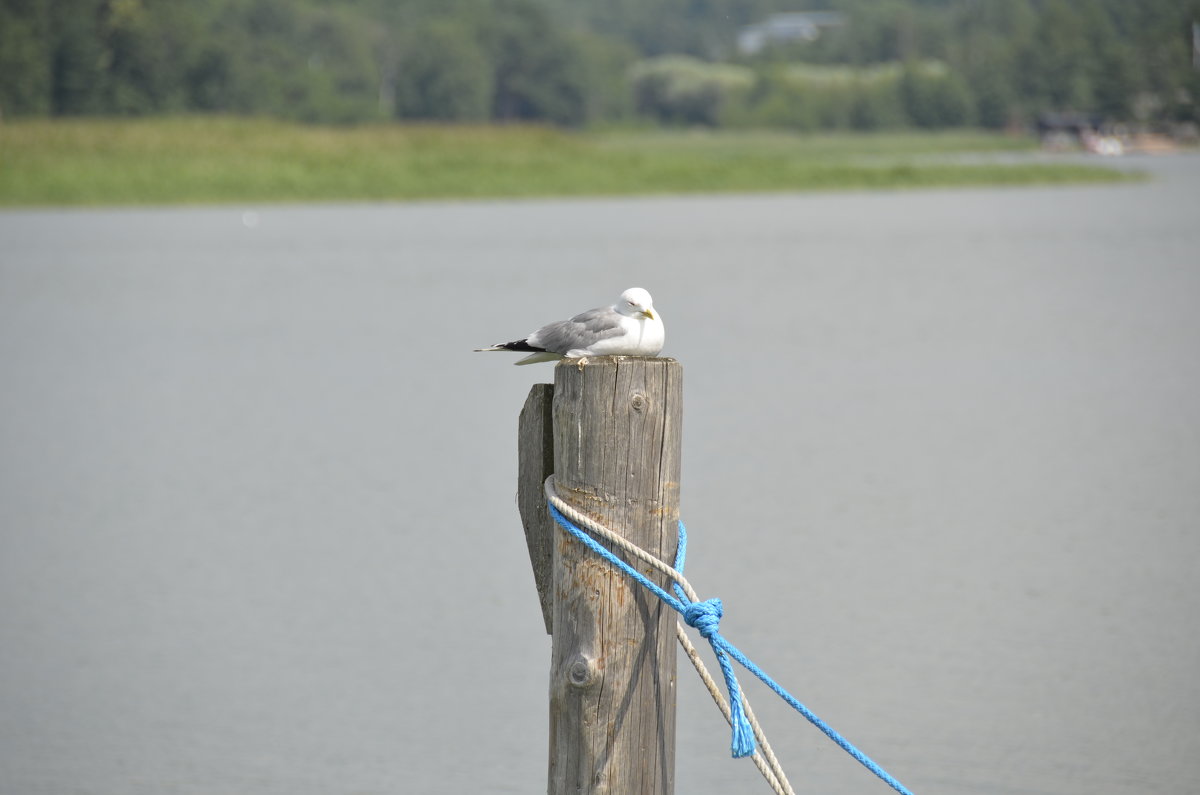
636 302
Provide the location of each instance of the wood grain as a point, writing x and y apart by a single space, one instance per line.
617 431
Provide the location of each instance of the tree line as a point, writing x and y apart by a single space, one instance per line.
891 63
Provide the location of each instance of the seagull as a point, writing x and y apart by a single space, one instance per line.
630 327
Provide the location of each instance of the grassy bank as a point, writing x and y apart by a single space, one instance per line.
200 160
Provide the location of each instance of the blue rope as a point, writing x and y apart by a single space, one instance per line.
705 617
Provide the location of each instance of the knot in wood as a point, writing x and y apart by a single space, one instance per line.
638 402
581 672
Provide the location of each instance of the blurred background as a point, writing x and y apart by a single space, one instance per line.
258 529
728 63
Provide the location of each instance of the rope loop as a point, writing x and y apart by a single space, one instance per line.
705 616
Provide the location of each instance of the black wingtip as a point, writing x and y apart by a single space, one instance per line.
520 345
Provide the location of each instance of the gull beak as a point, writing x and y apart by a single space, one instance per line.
649 313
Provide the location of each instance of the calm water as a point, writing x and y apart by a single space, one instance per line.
941 461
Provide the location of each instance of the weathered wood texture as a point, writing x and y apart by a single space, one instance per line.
535 462
617 431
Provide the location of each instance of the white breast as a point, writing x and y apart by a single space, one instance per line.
642 337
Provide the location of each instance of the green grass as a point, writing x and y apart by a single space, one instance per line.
218 159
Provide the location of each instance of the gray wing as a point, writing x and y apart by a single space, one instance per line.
581 331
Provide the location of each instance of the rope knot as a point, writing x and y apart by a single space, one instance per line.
704 616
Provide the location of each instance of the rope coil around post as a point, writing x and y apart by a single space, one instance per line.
705 616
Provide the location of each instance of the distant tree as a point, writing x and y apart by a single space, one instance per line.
25 58
986 54
678 89
605 67
567 61
877 31
208 79
994 102
1113 83
933 96
78 59
700 28
537 75
877 105
341 65
148 45
1054 60
443 73
285 59
772 101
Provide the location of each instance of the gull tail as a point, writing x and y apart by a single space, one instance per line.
521 346
543 356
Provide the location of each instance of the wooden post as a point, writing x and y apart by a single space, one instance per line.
535 462
616 429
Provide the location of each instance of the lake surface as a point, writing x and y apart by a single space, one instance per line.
258 532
